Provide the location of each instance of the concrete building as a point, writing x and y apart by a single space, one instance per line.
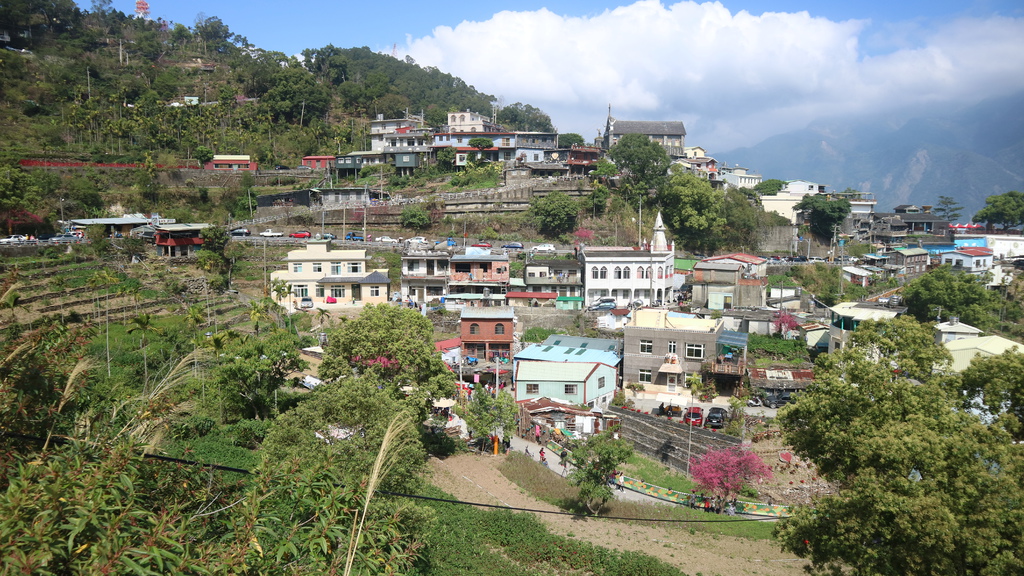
954 329
663 348
967 349
488 333
846 316
424 274
581 383
628 275
554 275
670 134
331 277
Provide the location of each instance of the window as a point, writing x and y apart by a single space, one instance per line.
672 347
319 291
499 328
600 382
695 351
474 328
533 388
335 268
644 377
318 267
414 266
625 273
300 290
338 291
536 157
297 267
618 273
570 389
604 272
355 267
506 142
647 346
661 273
374 290
649 272
594 273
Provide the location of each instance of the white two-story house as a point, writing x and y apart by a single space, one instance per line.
630 274
331 277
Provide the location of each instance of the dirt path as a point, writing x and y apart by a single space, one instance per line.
476 478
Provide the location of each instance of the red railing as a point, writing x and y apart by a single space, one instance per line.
55 164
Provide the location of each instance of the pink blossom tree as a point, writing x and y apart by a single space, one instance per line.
784 322
583 235
724 472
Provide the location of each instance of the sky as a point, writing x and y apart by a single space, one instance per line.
735 72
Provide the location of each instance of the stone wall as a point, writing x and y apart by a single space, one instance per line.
669 442
777 239
550 318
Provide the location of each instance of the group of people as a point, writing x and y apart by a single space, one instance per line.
712 504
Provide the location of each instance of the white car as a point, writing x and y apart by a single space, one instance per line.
544 248
417 240
268 233
16 239
386 239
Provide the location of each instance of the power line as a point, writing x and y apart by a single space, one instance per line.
61 440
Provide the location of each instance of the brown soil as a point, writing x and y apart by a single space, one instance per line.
476 478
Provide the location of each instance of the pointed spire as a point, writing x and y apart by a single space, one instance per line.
659 243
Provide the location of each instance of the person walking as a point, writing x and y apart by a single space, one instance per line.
543 457
564 457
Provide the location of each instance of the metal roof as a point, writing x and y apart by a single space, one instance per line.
733 338
965 349
495 312
554 371
607 344
550 353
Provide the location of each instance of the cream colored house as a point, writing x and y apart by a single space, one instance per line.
331 277
967 349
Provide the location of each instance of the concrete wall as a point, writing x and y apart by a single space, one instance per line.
777 239
669 442
550 318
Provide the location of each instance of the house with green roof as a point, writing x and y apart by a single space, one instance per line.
589 384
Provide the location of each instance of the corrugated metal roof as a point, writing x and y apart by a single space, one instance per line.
486 313
550 353
964 350
733 338
554 371
608 344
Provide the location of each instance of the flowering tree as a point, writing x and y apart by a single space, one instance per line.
784 322
724 472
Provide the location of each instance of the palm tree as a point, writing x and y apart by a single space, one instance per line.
280 288
193 318
259 310
322 315
144 323
104 278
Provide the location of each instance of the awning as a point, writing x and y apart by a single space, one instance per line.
733 338
669 368
444 403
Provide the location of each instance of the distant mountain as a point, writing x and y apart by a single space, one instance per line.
967 153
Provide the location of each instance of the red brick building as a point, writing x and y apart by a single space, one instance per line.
488 333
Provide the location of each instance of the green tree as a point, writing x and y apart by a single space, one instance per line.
824 214
570 139
19 193
253 370
446 159
415 217
202 155
770 187
524 118
948 209
994 386
593 461
144 324
923 487
396 345
1006 210
643 164
555 213
488 414
259 310
692 210
943 292
481 143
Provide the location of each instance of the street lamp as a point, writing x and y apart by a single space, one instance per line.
62 214
248 192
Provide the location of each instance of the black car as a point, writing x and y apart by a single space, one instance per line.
240 232
281 167
774 399
716 418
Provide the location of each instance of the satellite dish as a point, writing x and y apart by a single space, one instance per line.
554 155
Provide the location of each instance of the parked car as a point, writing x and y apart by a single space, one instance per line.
544 248
300 234
281 167
482 245
303 167
776 398
268 233
601 306
694 416
354 237
513 246
328 236
65 239
387 239
306 302
416 240
15 239
240 232
716 418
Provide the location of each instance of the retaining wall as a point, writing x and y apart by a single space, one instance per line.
669 442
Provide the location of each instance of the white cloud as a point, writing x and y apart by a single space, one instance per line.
733 78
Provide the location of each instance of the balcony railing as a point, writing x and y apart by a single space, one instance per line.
731 366
477 277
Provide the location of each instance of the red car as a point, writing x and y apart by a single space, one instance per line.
694 416
482 245
300 234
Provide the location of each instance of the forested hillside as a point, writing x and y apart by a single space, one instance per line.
106 86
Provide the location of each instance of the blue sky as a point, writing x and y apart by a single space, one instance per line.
735 72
